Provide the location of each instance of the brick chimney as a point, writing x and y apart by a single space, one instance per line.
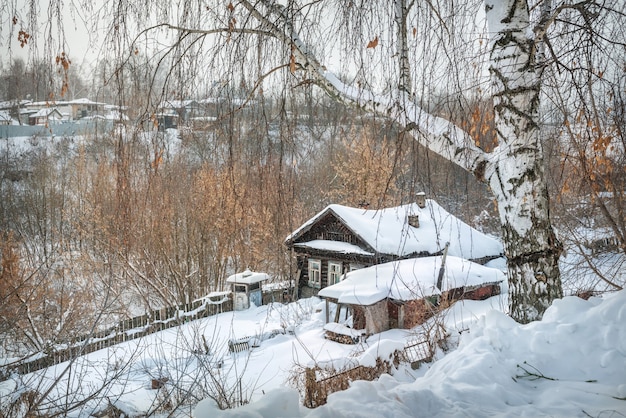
420 199
413 220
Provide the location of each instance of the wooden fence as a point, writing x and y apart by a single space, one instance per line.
319 383
316 390
126 330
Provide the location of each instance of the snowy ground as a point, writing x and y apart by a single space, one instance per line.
572 363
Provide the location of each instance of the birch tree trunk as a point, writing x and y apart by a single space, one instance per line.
518 178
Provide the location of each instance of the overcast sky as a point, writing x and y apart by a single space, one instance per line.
42 24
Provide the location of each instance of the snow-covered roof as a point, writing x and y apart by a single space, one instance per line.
177 104
387 231
4 116
10 104
247 277
409 279
228 100
45 112
85 101
115 115
214 298
335 246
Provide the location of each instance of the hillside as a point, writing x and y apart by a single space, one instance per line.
571 363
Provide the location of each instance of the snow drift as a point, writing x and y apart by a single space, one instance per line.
572 363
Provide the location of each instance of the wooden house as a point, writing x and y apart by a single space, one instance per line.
45 116
83 108
179 110
247 289
341 239
5 118
404 293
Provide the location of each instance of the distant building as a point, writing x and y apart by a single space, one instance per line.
70 110
83 108
172 112
45 116
247 289
5 118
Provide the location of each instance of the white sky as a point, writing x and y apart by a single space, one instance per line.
79 37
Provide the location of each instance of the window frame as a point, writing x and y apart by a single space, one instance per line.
312 282
336 276
356 266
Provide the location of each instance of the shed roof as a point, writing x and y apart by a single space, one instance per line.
247 277
46 112
85 101
409 279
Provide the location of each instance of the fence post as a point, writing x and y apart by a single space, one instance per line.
310 383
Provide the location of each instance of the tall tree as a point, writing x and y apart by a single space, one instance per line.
399 55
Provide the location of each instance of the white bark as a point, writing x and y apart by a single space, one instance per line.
518 180
402 49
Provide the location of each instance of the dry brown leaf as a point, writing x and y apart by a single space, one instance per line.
292 63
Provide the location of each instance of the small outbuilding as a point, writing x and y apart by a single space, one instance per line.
403 294
5 118
247 289
45 116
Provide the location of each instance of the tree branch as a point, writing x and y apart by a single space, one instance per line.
435 133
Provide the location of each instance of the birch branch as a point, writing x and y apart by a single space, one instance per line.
435 133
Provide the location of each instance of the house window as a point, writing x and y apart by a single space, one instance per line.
334 273
315 273
355 266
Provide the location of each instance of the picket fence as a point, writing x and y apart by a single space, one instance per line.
126 330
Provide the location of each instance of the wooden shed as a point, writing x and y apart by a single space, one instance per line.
403 294
247 289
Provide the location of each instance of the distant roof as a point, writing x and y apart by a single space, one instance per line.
9 104
409 279
84 100
177 104
116 115
53 103
386 231
45 112
247 277
226 100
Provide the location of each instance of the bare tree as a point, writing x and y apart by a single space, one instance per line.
388 46
589 147
398 54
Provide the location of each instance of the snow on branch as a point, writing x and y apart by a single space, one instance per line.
437 134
